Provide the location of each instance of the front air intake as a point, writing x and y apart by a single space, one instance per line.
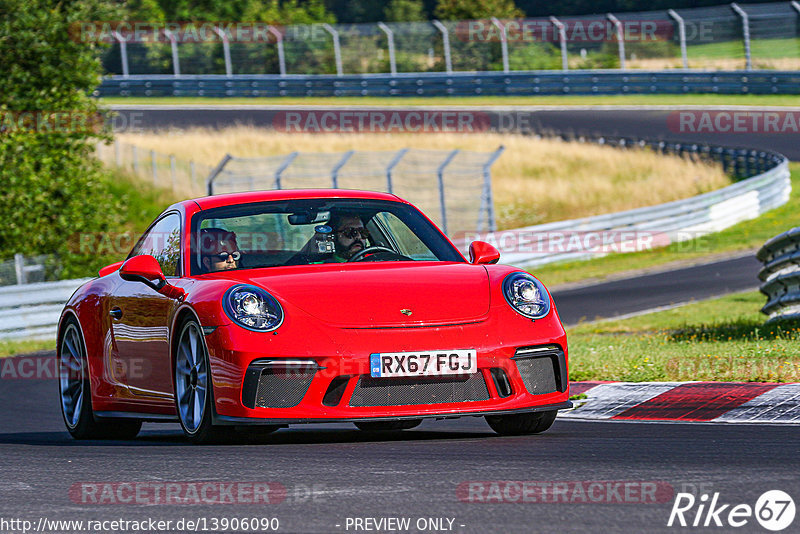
543 369
408 391
277 383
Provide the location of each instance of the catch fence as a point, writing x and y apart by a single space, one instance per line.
725 37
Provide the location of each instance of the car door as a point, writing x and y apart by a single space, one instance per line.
141 315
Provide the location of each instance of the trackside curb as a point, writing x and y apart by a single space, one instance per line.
717 402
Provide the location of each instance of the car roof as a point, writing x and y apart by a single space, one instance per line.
231 199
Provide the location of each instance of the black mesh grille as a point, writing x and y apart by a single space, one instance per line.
538 374
278 388
419 390
335 391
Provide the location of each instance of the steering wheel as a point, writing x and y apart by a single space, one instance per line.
361 254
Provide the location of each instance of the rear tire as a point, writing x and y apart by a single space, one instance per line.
522 423
194 395
388 426
75 389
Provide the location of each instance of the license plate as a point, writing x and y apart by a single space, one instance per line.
439 362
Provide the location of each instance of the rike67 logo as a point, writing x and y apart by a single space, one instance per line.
774 510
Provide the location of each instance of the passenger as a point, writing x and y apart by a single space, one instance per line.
219 250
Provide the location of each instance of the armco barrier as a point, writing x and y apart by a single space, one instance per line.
660 225
458 84
31 311
780 275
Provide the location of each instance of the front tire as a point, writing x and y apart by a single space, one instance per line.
522 423
193 390
75 392
388 426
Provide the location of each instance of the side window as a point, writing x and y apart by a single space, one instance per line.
163 242
407 241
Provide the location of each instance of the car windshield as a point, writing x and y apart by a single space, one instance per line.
313 231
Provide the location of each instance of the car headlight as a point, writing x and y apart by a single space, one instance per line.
253 308
526 295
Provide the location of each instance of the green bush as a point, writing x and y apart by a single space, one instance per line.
53 188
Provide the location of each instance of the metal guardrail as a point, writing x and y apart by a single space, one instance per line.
458 84
31 311
768 186
780 275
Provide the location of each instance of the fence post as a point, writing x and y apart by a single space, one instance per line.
620 38
337 168
173 171
487 198
440 176
390 38
19 267
135 154
745 34
448 64
503 42
279 42
173 43
562 39
337 50
278 173
226 51
392 164
215 172
153 165
117 155
123 53
681 35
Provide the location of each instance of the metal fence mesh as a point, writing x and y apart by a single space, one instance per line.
453 188
713 37
184 178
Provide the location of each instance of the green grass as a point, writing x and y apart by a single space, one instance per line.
14 348
744 236
577 100
759 48
723 339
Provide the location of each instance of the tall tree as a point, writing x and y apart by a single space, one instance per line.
476 9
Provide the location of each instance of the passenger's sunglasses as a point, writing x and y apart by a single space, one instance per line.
352 233
223 256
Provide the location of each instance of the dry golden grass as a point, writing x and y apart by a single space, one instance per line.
714 64
534 181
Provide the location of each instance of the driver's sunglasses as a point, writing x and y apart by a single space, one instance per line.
223 256
352 233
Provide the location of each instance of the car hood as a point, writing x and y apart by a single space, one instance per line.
372 295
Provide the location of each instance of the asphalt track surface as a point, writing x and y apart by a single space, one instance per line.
657 290
414 474
659 124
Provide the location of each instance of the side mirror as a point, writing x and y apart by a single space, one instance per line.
482 253
108 269
145 269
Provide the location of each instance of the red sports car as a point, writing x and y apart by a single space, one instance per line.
264 309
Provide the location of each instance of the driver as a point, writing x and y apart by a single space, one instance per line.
219 250
350 235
